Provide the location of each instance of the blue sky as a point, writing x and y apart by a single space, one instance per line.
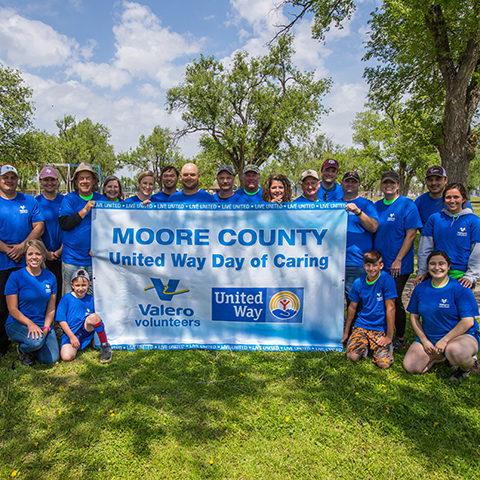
112 61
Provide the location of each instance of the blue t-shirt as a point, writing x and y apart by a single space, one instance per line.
200 197
53 235
34 293
77 242
133 199
74 312
16 219
303 199
427 206
373 315
334 195
442 308
160 197
454 235
394 221
235 198
243 197
359 240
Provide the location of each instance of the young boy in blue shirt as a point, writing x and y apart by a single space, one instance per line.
76 315
376 320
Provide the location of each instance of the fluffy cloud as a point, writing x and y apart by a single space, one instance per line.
32 43
100 74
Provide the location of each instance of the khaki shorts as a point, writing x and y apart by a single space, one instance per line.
361 340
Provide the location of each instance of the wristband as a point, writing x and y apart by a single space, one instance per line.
46 328
359 213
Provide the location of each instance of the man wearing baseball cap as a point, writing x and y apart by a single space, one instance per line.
329 191
251 192
226 182
49 202
20 220
432 201
362 224
310 185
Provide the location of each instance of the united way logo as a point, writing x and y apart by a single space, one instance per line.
284 305
166 291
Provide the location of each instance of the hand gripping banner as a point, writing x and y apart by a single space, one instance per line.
220 276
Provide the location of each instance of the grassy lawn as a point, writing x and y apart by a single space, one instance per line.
235 415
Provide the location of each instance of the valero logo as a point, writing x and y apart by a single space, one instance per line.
166 292
284 305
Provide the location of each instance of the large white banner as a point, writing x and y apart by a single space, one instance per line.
220 276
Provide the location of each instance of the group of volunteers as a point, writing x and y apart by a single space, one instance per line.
379 259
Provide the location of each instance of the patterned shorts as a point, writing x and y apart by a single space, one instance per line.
361 340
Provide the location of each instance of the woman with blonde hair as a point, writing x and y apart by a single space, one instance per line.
146 186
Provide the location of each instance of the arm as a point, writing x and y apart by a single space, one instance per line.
396 268
418 329
390 314
15 252
424 249
352 308
68 332
460 328
368 223
50 312
473 268
69 222
33 329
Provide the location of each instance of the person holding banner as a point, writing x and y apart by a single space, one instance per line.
169 176
310 185
30 294
251 192
76 222
277 188
112 189
226 182
191 193
448 330
398 220
146 185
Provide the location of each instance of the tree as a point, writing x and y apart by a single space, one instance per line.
85 141
16 111
252 109
154 152
429 51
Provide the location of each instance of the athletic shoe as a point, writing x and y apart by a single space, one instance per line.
26 359
460 374
105 353
398 344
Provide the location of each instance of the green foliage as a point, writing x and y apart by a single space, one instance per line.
153 153
252 110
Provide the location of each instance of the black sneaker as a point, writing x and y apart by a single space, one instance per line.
398 344
105 353
26 359
460 374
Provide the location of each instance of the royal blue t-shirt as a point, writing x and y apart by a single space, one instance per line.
427 206
160 197
303 199
133 199
16 219
200 197
74 312
359 240
243 197
235 198
454 235
334 195
33 293
442 308
373 315
53 235
394 221
77 242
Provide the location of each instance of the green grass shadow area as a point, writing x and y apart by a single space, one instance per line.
235 415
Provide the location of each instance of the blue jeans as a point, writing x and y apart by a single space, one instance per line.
352 272
45 347
67 272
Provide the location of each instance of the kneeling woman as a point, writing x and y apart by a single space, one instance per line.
448 328
30 293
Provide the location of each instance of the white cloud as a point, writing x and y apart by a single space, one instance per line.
100 74
149 90
32 43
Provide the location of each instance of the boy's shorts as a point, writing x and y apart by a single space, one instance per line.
361 340
83 335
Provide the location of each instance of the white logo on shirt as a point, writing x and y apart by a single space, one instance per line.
391 218
379 297
462 232
444 303
48 288
23 209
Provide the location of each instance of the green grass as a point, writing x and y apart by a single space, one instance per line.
169 414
